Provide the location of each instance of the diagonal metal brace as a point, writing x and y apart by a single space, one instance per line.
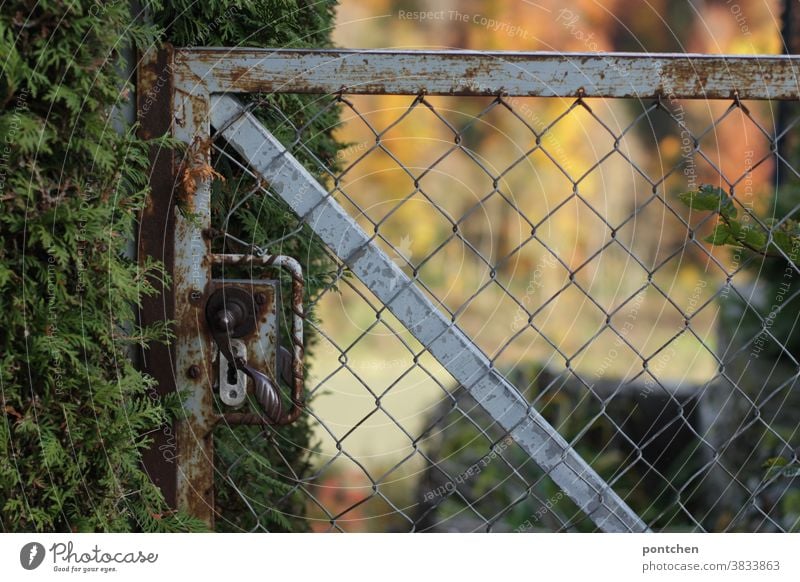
446 342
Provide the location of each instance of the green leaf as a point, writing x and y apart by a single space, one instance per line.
709 198
787 241
783 241
721 235
753 237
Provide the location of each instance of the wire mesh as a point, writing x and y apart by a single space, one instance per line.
550 232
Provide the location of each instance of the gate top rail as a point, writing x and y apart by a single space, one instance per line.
534 74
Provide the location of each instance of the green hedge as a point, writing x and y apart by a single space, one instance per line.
75 408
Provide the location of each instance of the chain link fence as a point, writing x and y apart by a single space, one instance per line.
549 234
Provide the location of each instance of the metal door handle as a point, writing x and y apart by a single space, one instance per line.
266 391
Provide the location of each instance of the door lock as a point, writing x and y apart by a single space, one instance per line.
242 317
231 313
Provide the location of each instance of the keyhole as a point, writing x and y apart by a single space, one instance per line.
232 374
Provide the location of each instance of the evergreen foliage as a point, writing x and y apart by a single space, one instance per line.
251 490
76 411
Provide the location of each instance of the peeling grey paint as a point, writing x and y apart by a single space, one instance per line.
540 74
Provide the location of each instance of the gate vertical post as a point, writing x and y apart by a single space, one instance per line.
172 230
191 275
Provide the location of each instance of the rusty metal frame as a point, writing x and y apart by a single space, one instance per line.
171 230
191 274
535 74
201 78
174 230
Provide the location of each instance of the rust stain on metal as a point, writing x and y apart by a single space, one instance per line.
237 74
197 495
241 78
195 168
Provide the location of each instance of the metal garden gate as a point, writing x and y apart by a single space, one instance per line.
208 99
